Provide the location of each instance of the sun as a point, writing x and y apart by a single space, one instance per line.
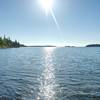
47 5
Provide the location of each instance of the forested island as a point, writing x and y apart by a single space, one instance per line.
93 45
6 42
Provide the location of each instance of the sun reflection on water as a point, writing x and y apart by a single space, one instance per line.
49 50
47 87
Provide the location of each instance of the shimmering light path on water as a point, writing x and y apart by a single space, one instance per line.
47 87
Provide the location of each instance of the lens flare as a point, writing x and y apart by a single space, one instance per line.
55 20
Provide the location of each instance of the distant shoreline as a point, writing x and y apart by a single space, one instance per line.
42 46
93 45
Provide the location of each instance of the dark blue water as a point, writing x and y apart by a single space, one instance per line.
50 74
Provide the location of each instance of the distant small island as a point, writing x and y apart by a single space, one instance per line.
8 43
93 45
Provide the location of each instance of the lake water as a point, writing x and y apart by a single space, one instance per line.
50 74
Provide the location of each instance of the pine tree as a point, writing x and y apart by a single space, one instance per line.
8 43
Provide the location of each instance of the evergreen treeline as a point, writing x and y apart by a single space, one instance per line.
8 43
93 45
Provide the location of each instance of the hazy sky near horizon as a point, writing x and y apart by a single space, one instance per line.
26 21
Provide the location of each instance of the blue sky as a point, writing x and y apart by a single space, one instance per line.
25 20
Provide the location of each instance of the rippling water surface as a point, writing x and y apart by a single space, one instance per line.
50 74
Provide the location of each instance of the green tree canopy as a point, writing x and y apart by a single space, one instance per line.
8 43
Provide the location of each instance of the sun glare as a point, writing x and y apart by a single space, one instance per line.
47 5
